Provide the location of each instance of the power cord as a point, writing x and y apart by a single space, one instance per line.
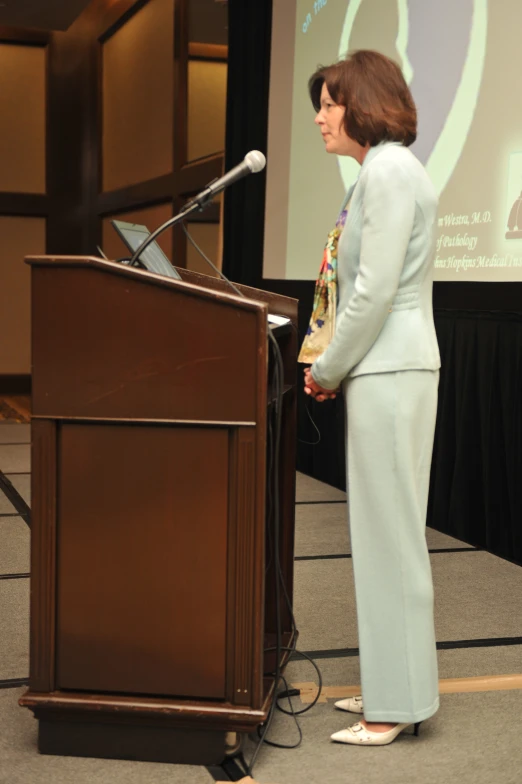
273 511
290 713
211 263
311 443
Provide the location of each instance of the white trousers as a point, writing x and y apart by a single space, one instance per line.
390 431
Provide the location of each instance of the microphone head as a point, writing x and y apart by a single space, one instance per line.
255 161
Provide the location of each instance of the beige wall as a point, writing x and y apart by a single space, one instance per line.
22 107
20 237
138 91
207 236
207 90
22 170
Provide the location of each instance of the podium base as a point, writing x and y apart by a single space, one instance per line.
140 743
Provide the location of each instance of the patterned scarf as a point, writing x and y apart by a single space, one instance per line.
322 322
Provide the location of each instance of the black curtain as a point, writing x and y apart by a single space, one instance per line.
249 35
476 480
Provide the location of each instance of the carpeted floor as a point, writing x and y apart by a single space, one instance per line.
321 529
473 739
472 601
20 762
451 747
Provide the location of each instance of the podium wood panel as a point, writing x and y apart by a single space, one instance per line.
43 554
151 603
246 541
132 349
141 596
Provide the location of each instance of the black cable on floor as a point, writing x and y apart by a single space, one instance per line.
291 712
13 683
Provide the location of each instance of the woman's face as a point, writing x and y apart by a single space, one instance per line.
330 120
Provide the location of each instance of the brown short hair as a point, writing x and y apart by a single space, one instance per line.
379 104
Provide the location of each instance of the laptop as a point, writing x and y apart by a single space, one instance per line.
153 258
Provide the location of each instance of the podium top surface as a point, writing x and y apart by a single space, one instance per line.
113 342
194 283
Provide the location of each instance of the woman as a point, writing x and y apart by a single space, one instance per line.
384 355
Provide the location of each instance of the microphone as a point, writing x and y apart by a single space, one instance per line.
253 162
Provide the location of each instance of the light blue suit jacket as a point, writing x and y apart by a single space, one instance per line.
385 272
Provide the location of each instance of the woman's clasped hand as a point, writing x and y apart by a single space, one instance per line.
312 388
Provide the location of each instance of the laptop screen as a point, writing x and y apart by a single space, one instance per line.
153 258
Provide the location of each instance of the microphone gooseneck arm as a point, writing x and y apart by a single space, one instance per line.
185 212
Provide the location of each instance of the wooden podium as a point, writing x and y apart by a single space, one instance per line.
150 609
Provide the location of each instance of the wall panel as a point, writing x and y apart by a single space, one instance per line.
22 131
207 236
137 97
207 99
109 103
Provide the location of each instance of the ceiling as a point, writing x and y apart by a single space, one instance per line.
207 18
41 14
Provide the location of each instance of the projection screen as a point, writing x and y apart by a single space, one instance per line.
461 61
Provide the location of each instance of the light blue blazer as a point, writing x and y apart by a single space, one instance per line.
385 272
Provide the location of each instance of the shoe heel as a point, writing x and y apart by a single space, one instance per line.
416 728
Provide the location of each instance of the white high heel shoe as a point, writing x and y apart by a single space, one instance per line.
358 735
351 704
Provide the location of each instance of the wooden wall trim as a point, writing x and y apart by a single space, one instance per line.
180 96
72 138
23 36
15 384
180 102
207 51
193 177
29 204
210 214
115 15
143 194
